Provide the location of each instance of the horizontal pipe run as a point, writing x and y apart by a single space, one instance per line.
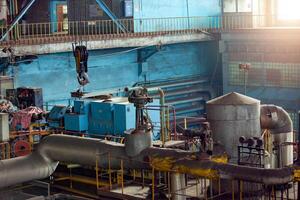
280 125
60 148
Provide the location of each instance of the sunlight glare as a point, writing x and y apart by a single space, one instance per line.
289 9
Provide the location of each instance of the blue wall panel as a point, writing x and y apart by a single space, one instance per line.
148 14
204 8
55 73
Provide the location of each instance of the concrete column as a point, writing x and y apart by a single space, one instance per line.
177 185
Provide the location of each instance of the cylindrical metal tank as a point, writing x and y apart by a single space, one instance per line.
232 116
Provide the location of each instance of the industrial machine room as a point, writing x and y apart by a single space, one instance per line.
149 100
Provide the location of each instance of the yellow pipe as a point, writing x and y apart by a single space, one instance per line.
62 179
80 179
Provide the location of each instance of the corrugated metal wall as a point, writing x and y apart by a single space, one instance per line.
180 9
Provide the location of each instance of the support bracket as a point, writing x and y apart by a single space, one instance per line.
111 15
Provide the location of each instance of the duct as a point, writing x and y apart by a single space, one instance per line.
235 172
42 163
275 119
280 125
23 169
136 141
83 151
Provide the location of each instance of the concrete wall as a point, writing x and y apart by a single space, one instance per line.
55 73
145 9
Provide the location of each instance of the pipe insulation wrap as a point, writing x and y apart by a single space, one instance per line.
23 169
275 119
280 125
43 162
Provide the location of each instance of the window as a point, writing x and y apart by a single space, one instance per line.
230 6
245 6
288 9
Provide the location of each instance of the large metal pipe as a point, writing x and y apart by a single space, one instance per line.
275 119
42 162
280 125
23 169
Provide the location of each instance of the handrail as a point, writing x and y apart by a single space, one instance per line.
137 27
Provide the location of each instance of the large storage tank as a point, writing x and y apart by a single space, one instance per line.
232 116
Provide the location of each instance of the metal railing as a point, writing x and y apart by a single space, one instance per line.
106 29
118 180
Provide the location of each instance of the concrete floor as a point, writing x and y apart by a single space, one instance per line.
192 191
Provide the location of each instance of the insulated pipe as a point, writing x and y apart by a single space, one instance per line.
275 119
280 125
23 169
60 148
52 149
237 172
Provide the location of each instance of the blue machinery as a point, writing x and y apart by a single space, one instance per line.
98 118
